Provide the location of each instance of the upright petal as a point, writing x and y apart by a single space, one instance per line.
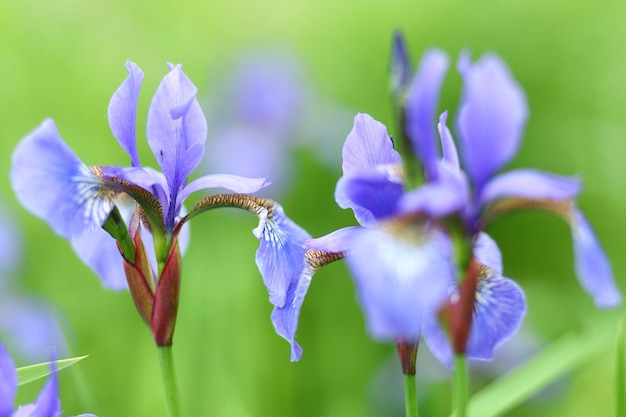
123 111
280 257
491 117
51 182
421 108
399 67
592 266
176 128
368 146
448 148
8 382
400 272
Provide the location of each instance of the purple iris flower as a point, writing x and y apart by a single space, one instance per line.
78 201
401 264
490 123
46 405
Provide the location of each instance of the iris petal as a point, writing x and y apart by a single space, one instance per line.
99 251
499 310
592 266
491 119
529 184
285 318
176 128
367 146
50 181
398 278
123 111
8 382
280 257
371 195
421 108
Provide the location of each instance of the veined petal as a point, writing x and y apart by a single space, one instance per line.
491 118
233 183
285 318
280 257
400 272
8 382
421 108
51 182
372 195
368 146
499 310
592 266
528 184
176 128
123 111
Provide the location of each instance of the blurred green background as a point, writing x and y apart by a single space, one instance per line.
64 58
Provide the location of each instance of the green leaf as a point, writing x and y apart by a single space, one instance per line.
620 392
31 373
563 355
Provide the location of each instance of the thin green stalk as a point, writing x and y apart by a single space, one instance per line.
410 396
172 396
461 385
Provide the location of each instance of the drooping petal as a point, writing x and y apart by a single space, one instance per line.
400 272
593 269
176 129
8 382
99 252
528 184
373 195
123 111
421 108
285 318
280 257
368 146
233 183
499 310
491 118
50 181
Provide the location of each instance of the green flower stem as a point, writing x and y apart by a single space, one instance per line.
461 385
172 396
410 396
